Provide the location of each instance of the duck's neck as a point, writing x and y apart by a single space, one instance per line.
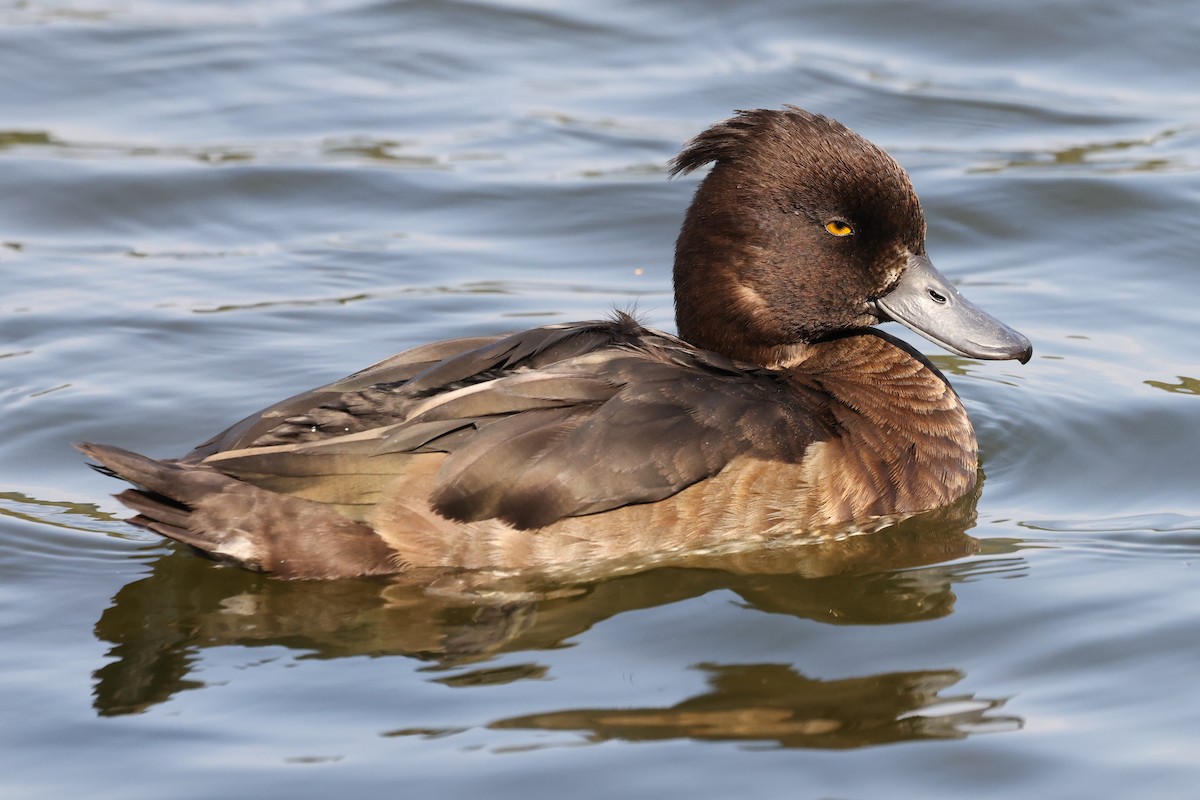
715 310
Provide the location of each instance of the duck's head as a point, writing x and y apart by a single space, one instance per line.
804 230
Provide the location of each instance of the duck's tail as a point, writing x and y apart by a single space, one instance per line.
234 521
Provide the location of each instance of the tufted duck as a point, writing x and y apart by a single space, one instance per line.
777 414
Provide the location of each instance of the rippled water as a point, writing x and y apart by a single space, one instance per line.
205 206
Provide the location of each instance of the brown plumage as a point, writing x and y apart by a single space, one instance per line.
602 446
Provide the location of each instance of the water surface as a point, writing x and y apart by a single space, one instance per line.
206 206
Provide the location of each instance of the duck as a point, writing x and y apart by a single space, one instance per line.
778 414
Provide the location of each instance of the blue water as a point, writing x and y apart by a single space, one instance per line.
206 206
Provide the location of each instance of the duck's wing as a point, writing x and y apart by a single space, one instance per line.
542 425
642 428
400 367
377 396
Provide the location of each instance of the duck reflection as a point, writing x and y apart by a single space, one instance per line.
774 703
159 624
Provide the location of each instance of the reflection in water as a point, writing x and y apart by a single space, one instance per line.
1185 385
329 150
773 703
1117 156
57 513
158 625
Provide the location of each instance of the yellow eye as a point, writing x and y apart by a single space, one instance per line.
839 227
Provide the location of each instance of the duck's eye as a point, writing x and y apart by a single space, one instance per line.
839 227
